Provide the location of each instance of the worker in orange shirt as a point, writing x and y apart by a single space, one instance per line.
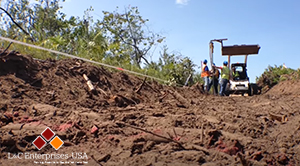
205 73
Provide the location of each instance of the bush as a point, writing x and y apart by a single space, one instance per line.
276 74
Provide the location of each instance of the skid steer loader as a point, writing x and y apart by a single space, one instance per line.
240 84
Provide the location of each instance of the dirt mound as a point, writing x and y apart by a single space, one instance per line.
274 75
127 120
60 83
286 88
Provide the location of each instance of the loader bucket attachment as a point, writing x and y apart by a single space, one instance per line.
240 50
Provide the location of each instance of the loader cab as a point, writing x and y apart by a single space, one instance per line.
241 69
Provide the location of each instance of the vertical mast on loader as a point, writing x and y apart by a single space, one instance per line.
211 48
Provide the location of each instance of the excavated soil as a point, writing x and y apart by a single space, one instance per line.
130 121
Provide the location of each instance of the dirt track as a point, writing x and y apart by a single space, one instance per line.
112 125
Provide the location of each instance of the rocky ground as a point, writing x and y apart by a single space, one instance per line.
127 120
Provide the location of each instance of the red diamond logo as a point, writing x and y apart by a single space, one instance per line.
39 143
48 134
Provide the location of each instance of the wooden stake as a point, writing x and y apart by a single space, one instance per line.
89 83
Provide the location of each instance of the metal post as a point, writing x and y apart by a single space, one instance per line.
246 56
229 66
211 51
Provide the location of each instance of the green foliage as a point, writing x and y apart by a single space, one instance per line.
41 20
48 27
273 75
121 38
174 68
197 78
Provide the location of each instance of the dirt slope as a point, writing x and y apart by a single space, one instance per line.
128 122
286 88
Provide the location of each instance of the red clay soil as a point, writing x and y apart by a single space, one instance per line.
127 122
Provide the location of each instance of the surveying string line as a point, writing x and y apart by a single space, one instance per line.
76 57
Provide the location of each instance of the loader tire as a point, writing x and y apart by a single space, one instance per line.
250 90
227 93
255 89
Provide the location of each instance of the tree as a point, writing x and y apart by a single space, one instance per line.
40 20
174 68
48 27
129 34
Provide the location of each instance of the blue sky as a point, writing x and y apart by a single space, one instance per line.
189 25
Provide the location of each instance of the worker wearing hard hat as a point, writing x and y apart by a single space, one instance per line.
205 75
214 79
225 72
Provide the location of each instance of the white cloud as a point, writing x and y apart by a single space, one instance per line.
182 2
